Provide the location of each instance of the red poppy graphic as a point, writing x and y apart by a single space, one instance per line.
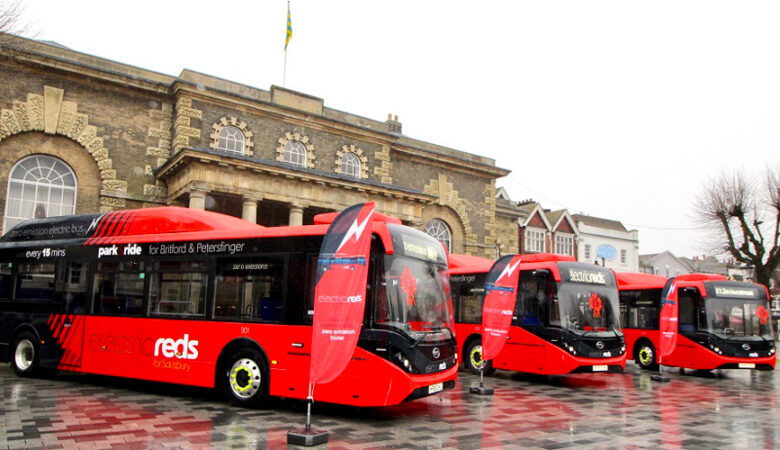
408 285
762 314
595 304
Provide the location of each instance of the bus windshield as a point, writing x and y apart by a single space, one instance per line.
585 308
737 317
415 297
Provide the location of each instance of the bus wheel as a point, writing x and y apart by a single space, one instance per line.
645 356
24 358
473 357
245 377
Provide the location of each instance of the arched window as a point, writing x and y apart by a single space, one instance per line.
39 186
350 165
231 139
440 231
295 153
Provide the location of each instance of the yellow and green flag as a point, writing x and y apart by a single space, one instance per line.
289 27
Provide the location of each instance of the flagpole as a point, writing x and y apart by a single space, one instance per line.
288 35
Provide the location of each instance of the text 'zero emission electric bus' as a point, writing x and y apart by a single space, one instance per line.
199 298
721 324
565 319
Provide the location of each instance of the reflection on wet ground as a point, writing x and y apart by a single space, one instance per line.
712 410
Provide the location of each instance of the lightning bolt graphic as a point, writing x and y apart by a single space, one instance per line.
508 270
355 229
94 223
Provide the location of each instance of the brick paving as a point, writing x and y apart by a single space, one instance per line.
729 409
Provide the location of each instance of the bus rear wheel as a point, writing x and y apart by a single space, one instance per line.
473 358
244 377
645 356
24 358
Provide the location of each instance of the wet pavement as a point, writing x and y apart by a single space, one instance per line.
728 409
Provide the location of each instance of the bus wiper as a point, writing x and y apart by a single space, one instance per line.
425 332
419 339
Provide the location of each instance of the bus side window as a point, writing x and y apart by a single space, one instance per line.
249 289
73 280
531 299
119 288
35 281
6 294
178 288
6 280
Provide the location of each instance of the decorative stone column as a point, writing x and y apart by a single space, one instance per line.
296 214
249 209
197 199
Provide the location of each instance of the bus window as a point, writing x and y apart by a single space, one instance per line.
74 287
249 289
532 296
6 276
467 298
119 288
35 281
178 288
640 308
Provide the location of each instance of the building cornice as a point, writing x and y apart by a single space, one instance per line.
190 155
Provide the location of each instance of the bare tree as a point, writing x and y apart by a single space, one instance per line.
10 18
744 215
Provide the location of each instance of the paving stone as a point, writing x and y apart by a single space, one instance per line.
724 410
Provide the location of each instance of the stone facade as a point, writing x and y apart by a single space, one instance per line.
136 138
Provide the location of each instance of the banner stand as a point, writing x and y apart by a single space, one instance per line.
307 437
481 389
659 376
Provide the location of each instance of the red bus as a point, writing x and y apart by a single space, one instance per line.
721 324
199 298
565 321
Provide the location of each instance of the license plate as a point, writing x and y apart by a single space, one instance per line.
434 388
442 366
747 365
600 368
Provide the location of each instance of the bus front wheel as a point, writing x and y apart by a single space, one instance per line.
473 357
24 358
645 356
245 377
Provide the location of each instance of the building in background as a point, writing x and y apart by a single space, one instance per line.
543 231
607 242
664 264
82 134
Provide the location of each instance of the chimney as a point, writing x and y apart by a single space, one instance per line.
393 125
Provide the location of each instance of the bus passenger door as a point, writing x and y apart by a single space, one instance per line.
68 327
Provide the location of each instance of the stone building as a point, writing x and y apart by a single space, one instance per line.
81 134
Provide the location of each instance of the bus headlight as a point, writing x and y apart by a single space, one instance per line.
406 363
622 349
771 351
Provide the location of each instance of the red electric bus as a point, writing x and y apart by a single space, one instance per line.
721 324
199 298
565 321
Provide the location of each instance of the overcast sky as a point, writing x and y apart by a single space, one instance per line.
617 109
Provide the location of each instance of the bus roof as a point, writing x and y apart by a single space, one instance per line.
328 218
161 224
546 257
631 280
701 277
460 263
